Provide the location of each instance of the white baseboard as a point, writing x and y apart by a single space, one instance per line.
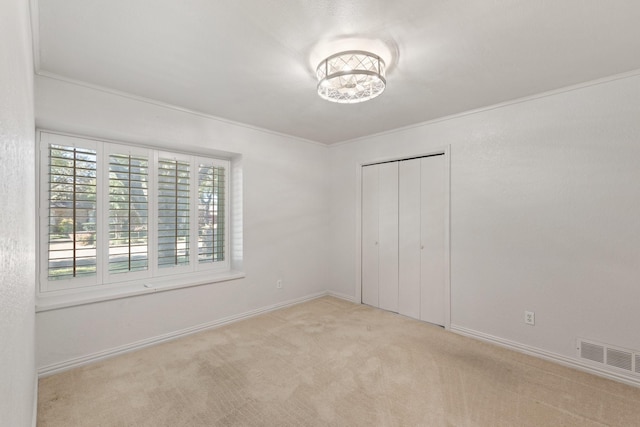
340 295
547 355
116 351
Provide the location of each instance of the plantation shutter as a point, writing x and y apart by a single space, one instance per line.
72 212
211 212
114 213
128 213
173 212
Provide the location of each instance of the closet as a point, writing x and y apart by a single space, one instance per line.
404 219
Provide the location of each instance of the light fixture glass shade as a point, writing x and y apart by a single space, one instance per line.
351 76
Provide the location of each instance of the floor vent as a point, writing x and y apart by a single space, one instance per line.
620 359
616 357
591 351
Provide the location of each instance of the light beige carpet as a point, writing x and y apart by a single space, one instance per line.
331 363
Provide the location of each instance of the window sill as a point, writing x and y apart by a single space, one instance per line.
83 297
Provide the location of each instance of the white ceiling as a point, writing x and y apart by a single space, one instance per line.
250 61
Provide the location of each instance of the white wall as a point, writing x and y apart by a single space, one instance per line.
545 215
17 178
285 225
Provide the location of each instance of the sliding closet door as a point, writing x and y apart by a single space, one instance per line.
388 236
433 209
370 215
409 242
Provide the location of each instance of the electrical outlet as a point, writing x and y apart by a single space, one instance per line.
529 318
279 284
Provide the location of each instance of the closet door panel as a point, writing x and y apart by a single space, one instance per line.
433 234
388 236
370 215
409 239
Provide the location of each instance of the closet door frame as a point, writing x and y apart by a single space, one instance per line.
444 150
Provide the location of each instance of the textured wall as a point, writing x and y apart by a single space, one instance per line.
17 376
544 215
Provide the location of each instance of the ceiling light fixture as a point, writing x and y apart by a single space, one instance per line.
351 76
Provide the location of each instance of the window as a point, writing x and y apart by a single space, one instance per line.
174 211
72 204
114 214
211 215
128 213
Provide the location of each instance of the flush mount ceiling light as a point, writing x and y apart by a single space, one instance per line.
351 76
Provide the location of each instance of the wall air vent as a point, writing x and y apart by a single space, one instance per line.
591 351
608 355
620 359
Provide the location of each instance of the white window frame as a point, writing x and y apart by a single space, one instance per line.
129 282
